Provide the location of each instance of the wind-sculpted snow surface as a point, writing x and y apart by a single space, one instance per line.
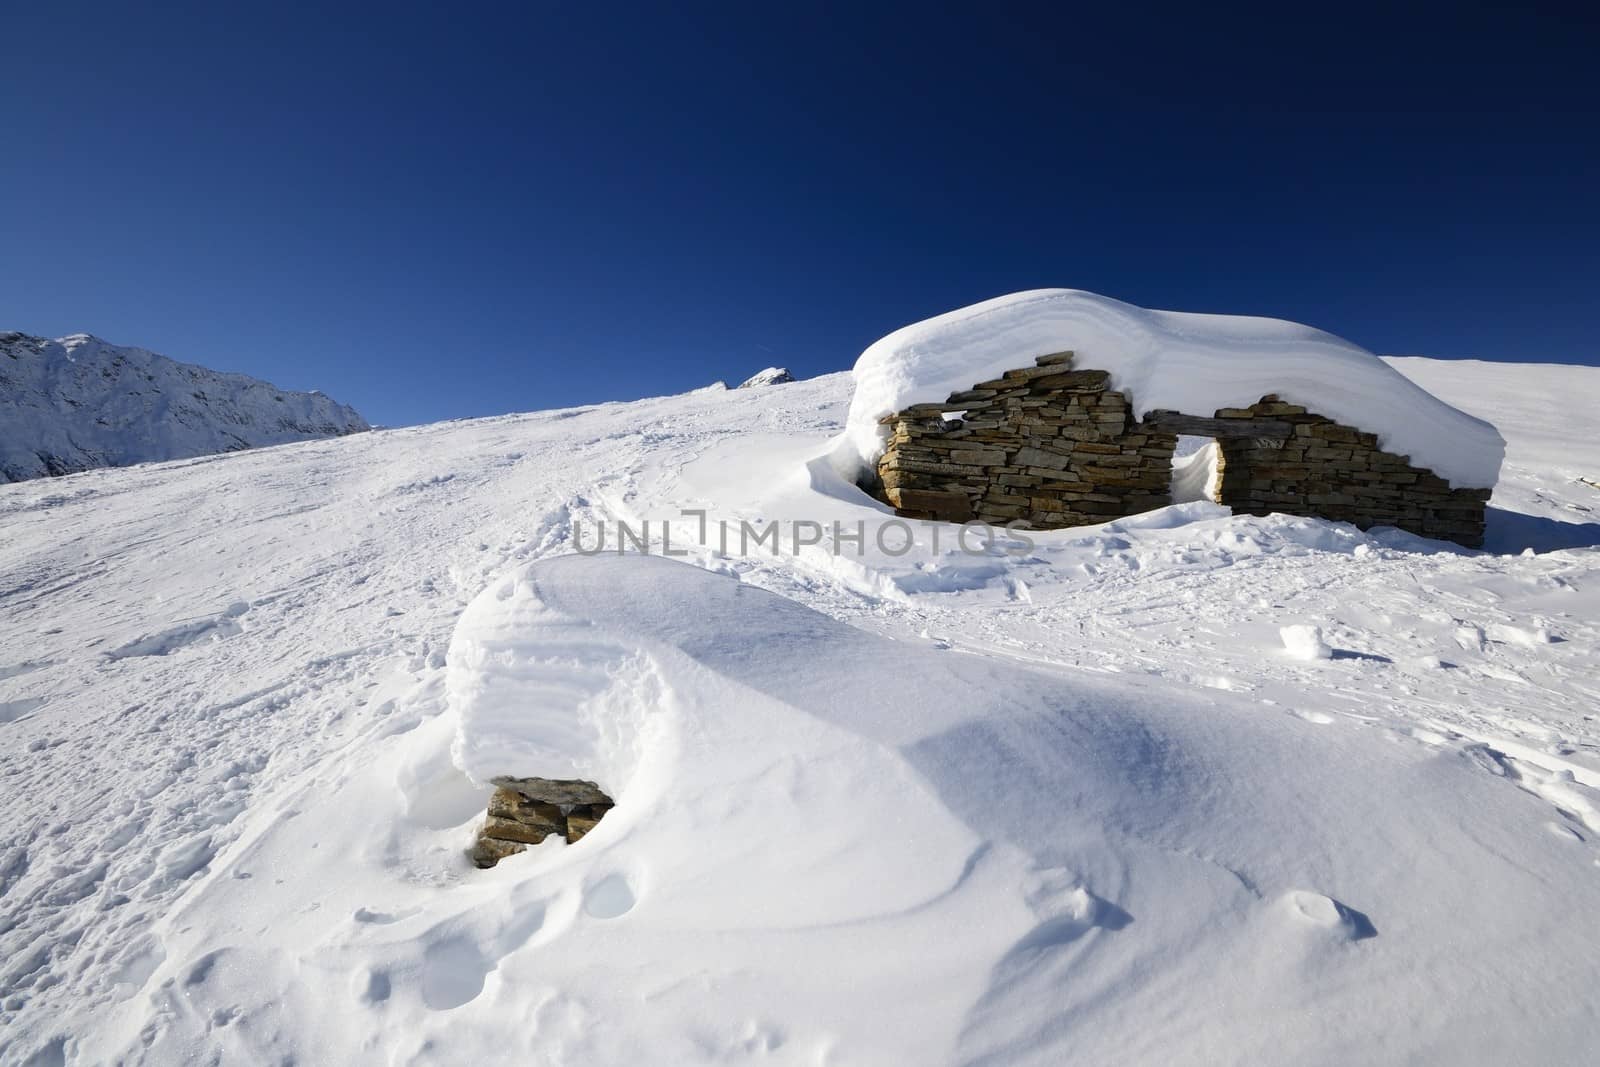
1060 800
1168 360
1008 848
79 403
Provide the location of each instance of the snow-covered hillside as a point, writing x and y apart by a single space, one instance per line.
78 403
1073 801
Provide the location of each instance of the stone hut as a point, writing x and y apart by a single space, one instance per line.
1054 445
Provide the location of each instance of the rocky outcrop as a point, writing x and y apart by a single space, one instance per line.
525 811
1054 446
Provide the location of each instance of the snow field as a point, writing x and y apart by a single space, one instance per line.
1070 803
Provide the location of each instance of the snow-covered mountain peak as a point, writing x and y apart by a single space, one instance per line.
79 402
770 376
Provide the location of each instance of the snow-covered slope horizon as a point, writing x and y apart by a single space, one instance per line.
78 403
1074 801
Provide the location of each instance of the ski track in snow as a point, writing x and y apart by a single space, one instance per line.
196 656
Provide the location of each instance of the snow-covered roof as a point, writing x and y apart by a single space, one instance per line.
1170 360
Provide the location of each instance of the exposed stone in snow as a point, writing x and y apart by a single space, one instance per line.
1052 446
525 811
1169 361
583 818
552 791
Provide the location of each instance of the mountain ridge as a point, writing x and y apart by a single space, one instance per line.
78 403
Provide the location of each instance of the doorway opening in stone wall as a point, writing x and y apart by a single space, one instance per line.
1196 469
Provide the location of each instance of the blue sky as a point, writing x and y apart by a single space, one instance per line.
454 210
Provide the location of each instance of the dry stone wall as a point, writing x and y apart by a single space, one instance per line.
525 811
1333 471
1048 445
1053 446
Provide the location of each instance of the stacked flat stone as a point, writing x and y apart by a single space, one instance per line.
1333 471
525 811
1052 446
1048 445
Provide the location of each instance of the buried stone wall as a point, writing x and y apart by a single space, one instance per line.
1053 446
1047 445
1311 465
525 811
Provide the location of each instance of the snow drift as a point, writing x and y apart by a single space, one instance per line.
1072 804
985 854
1168 360
78 403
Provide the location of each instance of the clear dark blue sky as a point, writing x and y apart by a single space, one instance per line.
465 209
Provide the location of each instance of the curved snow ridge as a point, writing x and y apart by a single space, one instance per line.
662 682
536 691
1169 360
915 856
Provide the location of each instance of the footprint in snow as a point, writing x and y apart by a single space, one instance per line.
12 710
165 642
20 669
368 916
1319 910
372 986
610 897
1563 831
1067 912
460 953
